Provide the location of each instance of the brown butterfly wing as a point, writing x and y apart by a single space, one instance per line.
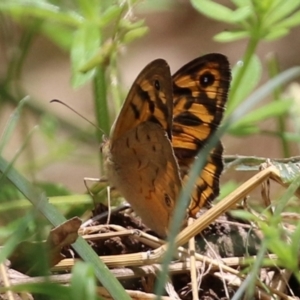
148 100
140 160
200 93
145 172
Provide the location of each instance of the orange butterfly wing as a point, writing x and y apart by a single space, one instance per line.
139 157
200 91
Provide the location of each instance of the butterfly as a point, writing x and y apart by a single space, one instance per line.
163 123
200 91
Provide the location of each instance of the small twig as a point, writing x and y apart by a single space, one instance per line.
6 281
193 271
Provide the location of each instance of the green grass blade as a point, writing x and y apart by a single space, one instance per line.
40 202
11 124
184 196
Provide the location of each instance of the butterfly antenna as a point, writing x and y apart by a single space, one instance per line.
76 112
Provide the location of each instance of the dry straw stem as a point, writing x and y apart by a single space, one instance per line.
135 295
156 256
6 281
193 270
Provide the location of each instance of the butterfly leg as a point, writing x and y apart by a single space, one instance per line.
93 191
96 187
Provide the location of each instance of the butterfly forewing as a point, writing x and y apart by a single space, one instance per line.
139 156
200 93
149 100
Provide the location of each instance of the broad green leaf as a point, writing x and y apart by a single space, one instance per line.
89 9
288 171
42 10
292 137
244 130
86 43
227 188
230 36
16 201
273 109
83 289
250 79
20 233
213 10
295 238
49 289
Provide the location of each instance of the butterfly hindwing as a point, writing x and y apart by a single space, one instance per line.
200 93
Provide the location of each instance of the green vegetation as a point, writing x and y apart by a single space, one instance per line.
93 32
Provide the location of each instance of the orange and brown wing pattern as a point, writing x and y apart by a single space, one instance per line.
147 100
200 91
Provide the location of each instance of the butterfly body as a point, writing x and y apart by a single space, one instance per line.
163 123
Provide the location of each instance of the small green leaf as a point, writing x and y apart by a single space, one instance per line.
20 233
135 34
213 10
11 124
241 14
276 33
230 36
99 58
250 79
86 43
280 11
243 215
111 14
127 25
295 237
242 3
59 34
292 21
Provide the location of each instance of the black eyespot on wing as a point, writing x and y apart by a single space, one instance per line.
206 79
157 84
168 200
